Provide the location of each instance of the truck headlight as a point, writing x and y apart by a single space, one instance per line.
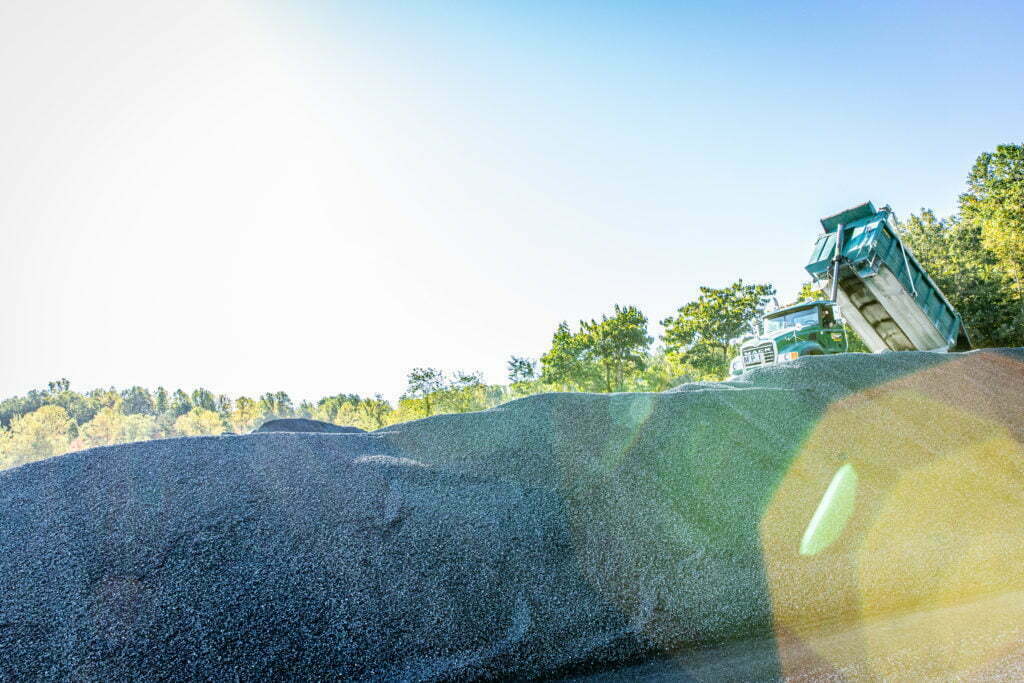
788 356
736 366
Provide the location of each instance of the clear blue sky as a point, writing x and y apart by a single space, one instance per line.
318 196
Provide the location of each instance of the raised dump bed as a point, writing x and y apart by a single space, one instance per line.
884 293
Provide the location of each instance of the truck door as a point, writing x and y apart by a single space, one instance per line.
832 336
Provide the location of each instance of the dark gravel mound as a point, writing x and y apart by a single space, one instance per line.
558 535
298 424
287 555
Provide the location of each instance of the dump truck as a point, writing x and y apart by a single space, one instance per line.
876 287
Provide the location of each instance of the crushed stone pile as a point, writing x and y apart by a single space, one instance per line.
562 535
301 424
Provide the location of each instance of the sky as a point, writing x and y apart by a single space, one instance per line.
317 197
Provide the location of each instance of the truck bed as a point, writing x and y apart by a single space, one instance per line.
884 293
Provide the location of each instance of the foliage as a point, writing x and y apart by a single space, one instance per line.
203 398
112 426
327 408
224 406
422 383
521 370
180 403
566 364
969 274
200 422
663 371
137 401
375 412
59 385
351 409
703 331
40 434
161 401
349 414
78 407
20 405
619 345
276 405
604 355
431 391
462 393
246 416
994 203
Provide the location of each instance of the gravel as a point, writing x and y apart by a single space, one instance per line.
298 424
558 535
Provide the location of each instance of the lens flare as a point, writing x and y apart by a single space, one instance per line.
911 561
833 512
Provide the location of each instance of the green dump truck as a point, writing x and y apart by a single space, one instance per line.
876 286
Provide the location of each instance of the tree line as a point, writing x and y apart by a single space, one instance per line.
975 256
613 353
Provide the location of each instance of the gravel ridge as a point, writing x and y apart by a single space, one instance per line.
557 535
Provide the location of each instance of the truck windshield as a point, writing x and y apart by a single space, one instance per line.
808 316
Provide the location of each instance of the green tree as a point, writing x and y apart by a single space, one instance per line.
703 330
224 406
663 371
463 393
566 364
180 403
112 426
306 410
246 416
60 385
200 422
408 409
618 345
376 411
58 392
17 406
203 398
994 202
276 405
604 355
327 408
521 370
284 404
421 383
349 415
953 253
79 408
106 398
161 401
137 401
42 433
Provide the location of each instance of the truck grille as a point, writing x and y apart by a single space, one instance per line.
762 354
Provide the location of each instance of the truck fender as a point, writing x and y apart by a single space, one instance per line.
807 349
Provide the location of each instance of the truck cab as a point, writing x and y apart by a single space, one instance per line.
809 328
